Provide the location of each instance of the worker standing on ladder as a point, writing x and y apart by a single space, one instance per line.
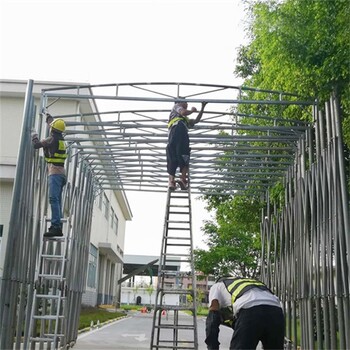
178 147
55 154
250 308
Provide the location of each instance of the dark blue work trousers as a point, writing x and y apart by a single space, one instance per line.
178 148
56 183
259 323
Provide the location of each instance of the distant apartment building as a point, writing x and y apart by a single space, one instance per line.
111 208
141 288
203 284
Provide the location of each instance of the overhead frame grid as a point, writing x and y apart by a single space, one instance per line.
126 147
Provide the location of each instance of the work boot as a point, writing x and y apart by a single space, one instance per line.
183 184
172 185
54 232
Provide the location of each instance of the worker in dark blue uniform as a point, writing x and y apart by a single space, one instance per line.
178 147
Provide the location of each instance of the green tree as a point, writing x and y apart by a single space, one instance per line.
135 290
199 298
298 46
150 290
301 47
234 240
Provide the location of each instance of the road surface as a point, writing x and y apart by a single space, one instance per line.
134 332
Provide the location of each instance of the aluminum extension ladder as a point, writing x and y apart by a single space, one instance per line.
173 327
48 314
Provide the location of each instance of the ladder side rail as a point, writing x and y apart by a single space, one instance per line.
160 282
32 322
194 279
172 244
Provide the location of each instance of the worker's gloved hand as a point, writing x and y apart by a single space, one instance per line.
193 109
212 330
34 135
49 118
191 123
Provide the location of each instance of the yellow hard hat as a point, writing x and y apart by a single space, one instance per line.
58 125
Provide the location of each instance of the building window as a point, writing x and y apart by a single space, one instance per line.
105 206
115 224
112 217
1 228
92 268
100 197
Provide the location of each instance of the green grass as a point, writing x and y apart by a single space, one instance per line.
131 307
88 314
202 311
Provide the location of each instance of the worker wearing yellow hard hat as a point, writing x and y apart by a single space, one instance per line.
55 155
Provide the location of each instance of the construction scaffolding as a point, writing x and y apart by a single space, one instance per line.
121 146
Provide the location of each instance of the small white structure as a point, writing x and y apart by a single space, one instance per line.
141 289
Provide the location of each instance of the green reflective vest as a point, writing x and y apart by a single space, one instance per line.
57 154
238 286
185 119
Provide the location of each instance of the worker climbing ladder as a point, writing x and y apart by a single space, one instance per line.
49 302
173 328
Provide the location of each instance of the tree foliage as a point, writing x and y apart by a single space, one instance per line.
234 240
301 47
298 46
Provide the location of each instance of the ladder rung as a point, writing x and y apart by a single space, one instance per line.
172 326
178 222
167 273
174 307
47 338
175 255
62 238
176 291
172 347
62 220
48 317
41 339
53 257
178 195
52 277
177 237
179 228
49 296
180 260
179 212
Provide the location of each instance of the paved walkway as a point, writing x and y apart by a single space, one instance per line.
134 332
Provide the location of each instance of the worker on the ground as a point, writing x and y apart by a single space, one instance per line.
55 154
250 309
178 147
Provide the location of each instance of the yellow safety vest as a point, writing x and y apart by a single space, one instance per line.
238 286
59 155
174 120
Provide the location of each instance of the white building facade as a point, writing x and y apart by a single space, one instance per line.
111 208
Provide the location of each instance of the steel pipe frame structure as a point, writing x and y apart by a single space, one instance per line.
306 240
277 149
28 221
133 140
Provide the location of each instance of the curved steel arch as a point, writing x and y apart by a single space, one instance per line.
227 156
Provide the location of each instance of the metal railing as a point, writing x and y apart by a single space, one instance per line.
306 239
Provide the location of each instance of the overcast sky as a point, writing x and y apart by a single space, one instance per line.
115 41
